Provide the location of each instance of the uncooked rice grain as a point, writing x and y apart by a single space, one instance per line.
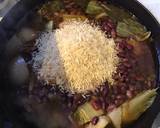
78 56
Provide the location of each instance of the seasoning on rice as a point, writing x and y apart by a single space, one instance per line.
78 56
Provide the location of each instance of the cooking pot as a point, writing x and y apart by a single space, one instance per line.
11 115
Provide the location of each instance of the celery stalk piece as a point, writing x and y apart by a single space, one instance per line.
132 109
125 114
85 113
116 117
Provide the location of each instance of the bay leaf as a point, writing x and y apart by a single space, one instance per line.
130 27
94 8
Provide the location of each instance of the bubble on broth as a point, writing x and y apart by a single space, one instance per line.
19 72
27 34
52 113
13 46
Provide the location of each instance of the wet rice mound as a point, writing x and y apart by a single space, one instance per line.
77 63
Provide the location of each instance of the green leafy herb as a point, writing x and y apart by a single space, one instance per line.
82 3
130 27
53 6
135 25
116 13
94 8
123 30
144 36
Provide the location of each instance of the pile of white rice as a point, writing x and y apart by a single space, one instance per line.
78 57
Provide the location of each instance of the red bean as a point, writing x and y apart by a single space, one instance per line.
121 55
134 61
95 120
129 47
121 71
116 77
131 88
123 90
115 90
110 21
107 104
125 60
107 100
139 86
111 107
129 70
127 65
103 105
120 97
113 97
106 28
113 33
129 94
118 102
121 46
121 84
139 78
122 79
105 91
101 99
109 36
127 79
110 25
96 104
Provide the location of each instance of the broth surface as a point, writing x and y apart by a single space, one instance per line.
45 105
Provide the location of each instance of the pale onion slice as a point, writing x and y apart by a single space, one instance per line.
116 117
133 109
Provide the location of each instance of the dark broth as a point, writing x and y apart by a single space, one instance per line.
47 106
